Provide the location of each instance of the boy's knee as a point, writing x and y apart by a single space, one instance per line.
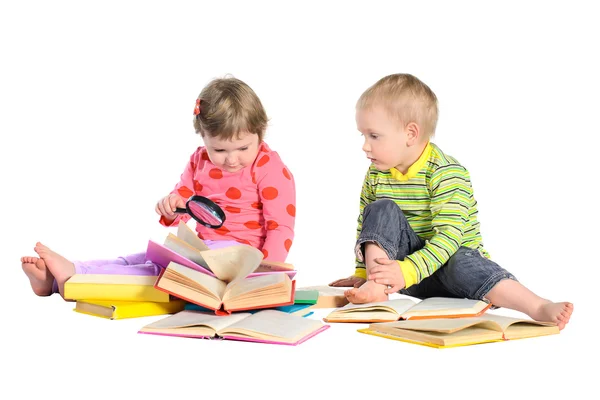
382 207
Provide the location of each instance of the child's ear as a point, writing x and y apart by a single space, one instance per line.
413 133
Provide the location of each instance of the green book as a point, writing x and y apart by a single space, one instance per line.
306 297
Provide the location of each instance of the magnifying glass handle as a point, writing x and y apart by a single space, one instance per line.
180 210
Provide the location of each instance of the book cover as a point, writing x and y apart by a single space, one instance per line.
115 309
113 287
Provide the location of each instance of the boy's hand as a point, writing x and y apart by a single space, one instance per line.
351 281
387 272
167 205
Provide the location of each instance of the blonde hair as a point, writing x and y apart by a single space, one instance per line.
228 107
406 98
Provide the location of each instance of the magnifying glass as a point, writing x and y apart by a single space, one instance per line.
205 211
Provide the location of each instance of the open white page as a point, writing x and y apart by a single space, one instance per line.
272 324
185 233
233 262
210 283
187 318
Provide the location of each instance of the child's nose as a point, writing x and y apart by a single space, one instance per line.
366 147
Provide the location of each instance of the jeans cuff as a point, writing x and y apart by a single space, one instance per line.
383 243
491 282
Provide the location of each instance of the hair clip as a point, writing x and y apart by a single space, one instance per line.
197 108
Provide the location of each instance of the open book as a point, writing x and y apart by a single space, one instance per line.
186 248
462 331
267 326
394 310
229 291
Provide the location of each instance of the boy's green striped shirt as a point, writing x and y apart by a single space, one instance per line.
438 202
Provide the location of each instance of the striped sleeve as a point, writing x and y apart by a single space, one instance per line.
451 191
367 196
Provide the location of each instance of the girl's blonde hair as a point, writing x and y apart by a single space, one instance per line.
228 107
405 98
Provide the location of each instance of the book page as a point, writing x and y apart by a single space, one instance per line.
194 319
396 306
233 262
194 279
259 284
440 306
515 328
270 266
185 233
469 335
441 325
273 325
184 249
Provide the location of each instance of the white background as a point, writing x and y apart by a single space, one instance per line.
96 110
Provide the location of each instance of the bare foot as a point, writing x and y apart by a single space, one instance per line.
559 313
40 277
60 267
368 293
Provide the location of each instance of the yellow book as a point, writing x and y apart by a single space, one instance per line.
112 309
113 287
453 332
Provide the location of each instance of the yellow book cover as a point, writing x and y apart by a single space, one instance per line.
127 309
113 287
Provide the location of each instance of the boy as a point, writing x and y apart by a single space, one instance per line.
417 230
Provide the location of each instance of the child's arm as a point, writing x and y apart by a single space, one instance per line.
185 188
277 192
451 200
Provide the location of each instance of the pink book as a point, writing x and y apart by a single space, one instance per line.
292 329
162 256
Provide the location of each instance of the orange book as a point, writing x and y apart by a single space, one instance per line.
238 294
406 308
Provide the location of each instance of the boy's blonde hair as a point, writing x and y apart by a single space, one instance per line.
228 107
405 98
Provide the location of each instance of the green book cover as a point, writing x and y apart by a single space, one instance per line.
306 297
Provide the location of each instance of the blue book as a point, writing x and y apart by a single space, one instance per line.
296 309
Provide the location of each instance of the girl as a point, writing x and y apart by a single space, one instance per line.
236 169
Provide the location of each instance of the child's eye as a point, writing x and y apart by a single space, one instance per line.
374 136
244 148
219 150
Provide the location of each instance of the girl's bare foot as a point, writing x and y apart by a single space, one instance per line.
368 293
61 268
559 313
40 277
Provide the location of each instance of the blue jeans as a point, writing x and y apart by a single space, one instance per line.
467 274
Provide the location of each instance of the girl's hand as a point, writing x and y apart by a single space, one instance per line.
351 281
167 205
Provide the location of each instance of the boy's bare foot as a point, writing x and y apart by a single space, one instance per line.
60 267
559 313
39 276
368 293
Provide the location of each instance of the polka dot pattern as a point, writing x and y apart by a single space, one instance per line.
291 210
233 193
259 201
215 173
263 160
252 225
287 174
270 193
185 192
